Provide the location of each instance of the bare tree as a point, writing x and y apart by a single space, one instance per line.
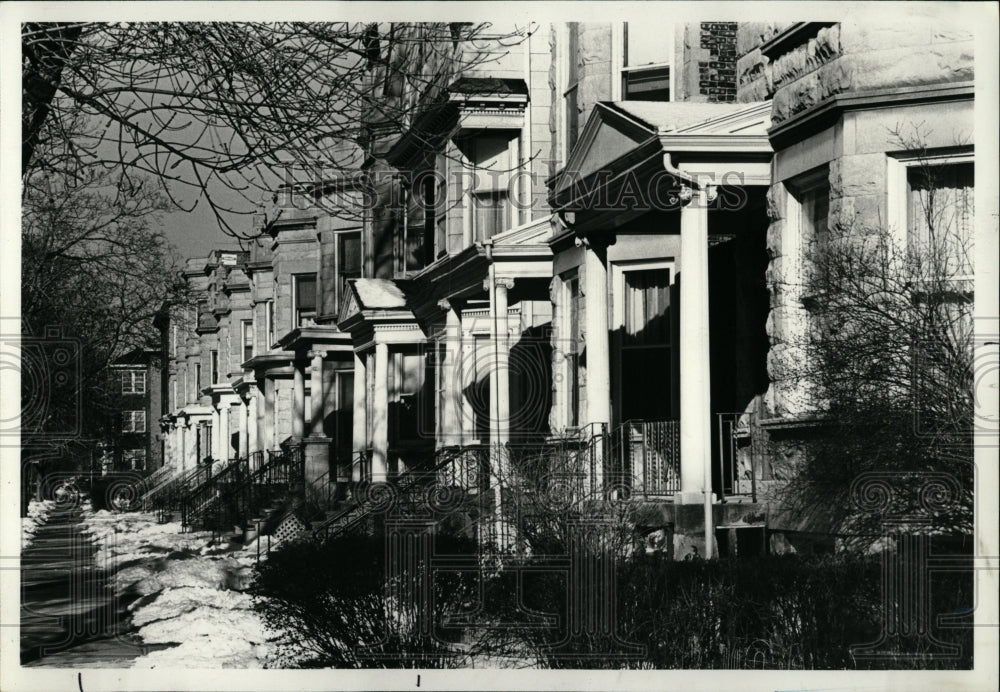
888 355
93 268
232 106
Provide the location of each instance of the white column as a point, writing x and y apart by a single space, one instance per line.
298 402
696 442
269 413
380 414
466 369
225 443
597 340
182 461
316 394
244 423
253 422
500 373
598 350
360 421
215 444
451 411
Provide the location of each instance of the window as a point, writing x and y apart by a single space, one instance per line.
269 322
304 299
645 373
215 367
173 395
811 192
134 459
493 164
247 339
647 52
134 382
348 261
197 379
939 214
134 421
573 346
173 339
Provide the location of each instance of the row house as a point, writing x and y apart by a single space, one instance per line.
581 237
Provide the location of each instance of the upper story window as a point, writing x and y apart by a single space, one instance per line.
493 162
215 367
811 192
269 322
939 216
134 382
197 379
134 421
304 299
647 51
247 328
348 261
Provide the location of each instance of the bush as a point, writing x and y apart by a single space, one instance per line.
772 612
340 607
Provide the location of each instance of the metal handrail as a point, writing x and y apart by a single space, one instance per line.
643 456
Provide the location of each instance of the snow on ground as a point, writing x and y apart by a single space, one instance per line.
190 588
38 511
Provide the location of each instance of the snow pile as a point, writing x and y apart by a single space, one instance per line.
190 590
212 629
38 512
130 536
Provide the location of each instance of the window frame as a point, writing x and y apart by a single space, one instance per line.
617 320
132 416
620 66
245 326
136 453
898 167
296 319
130 377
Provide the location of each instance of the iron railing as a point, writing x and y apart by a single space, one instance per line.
643 457
244 488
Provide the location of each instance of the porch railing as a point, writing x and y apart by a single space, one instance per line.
643 457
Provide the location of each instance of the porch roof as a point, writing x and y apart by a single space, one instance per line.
632 155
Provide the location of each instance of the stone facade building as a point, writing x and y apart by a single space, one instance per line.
584 237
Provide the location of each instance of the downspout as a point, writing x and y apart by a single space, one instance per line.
707 479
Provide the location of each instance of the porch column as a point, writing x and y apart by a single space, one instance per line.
500 372
467 365
696 441
451 412
214 444
298 401
253 439
257 420
182 459
244 443
360 432
316 394
269 422
225 443
380 414
598 350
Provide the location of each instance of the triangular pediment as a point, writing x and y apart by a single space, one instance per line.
605 138
349 305
538 232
